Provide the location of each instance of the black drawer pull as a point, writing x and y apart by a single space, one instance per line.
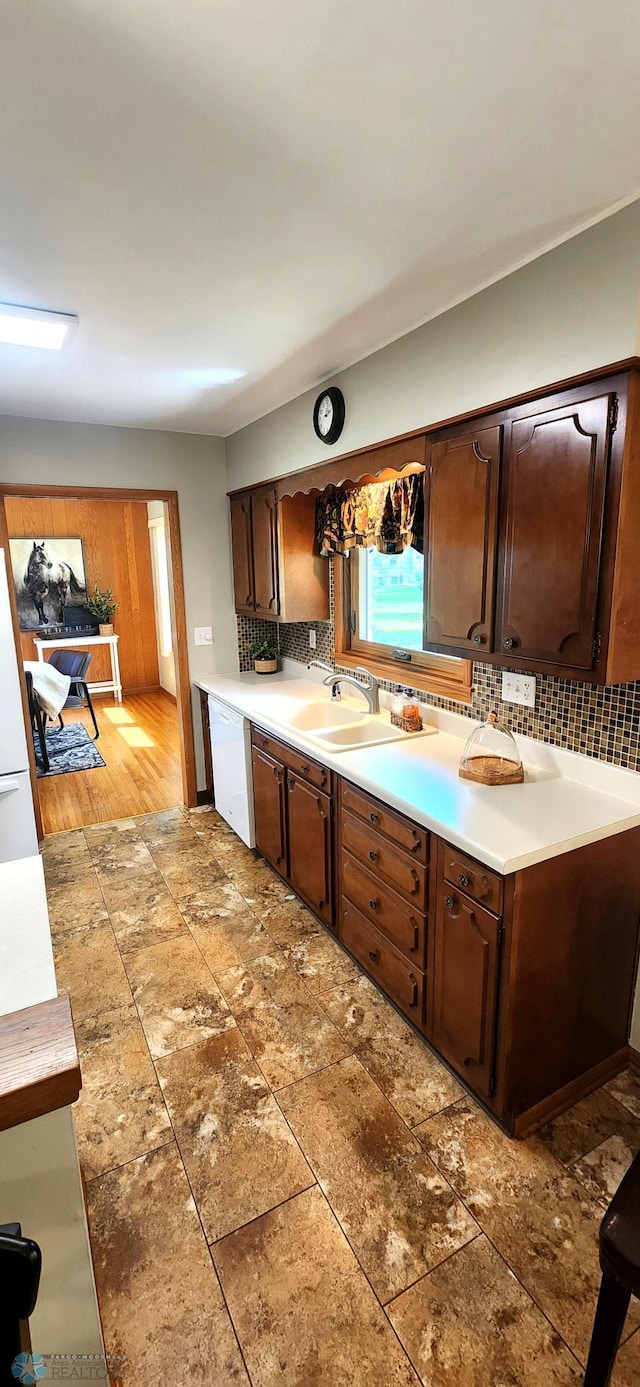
449 902
304 770
373 855
464 880
373 905
374 818
373 955
264 741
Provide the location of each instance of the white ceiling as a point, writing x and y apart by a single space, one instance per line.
282 187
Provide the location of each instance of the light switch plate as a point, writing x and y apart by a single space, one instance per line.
312 638
203 635
519 688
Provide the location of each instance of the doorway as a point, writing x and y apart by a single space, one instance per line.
147 742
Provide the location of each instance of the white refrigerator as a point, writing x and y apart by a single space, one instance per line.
17 823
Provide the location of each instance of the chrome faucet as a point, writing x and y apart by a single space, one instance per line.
368 691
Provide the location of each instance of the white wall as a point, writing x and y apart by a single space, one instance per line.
571 310
46 452
166 663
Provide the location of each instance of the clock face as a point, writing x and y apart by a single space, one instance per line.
328 414
325 415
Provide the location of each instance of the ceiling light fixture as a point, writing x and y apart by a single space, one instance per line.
35 327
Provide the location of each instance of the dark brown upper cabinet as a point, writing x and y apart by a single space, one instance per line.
460 570
264 519
555 469
533 559
276 573
242 553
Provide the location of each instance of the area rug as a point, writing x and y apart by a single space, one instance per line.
70 749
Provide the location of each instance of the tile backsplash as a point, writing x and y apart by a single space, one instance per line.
597 721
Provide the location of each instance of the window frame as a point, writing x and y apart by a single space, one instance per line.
425 670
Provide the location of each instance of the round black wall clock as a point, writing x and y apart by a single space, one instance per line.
328 414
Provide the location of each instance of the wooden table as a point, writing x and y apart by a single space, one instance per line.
112 685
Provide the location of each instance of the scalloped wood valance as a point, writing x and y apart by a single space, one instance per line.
376 464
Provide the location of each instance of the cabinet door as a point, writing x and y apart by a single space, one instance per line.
242 553
264 516
461 550
555 473
269 808
466 963
309 839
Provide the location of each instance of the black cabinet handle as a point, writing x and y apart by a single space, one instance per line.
277 776
373 905
508 643
374 818
373 955
373 855
304 770
449 902
464 880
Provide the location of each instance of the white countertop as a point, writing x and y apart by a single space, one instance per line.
27 974
565 802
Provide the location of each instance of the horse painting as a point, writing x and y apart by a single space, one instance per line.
48 577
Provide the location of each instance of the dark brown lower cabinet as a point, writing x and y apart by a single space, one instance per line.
466 964
522 983
309 840
268 803
386 965
206 796
293 818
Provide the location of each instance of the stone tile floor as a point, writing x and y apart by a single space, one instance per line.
284 1184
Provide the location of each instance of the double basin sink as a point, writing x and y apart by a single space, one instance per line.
342 728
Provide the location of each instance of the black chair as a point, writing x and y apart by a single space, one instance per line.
75 664
38 720
20 1265
620 1263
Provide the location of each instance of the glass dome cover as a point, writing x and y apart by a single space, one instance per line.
491 756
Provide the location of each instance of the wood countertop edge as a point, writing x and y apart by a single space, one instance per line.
39 1064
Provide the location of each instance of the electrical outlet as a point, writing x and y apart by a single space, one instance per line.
203 635
313 636
519 688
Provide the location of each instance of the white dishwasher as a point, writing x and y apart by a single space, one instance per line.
232 778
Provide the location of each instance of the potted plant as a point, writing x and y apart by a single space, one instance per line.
264 654
102 605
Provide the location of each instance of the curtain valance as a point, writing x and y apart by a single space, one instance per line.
388 516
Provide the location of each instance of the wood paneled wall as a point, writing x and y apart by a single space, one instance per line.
117 555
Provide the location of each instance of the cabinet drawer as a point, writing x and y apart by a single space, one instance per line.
395 868
294 760
399 830
405 984
401 922
472 878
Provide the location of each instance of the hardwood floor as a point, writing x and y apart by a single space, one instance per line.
139 742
